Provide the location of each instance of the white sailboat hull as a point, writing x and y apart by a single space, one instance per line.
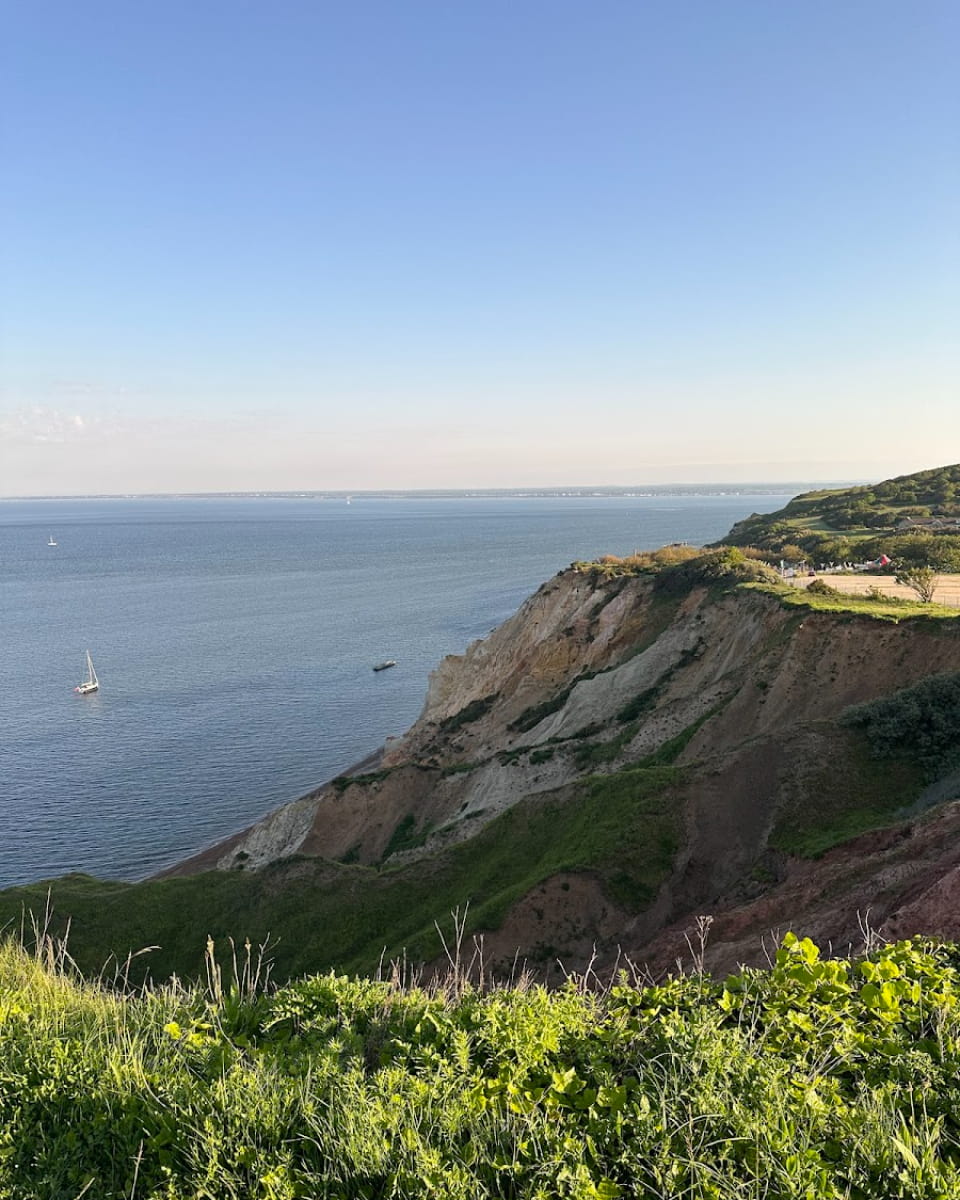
91 683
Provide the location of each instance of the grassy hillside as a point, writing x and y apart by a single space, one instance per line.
864 522
622 828
815 1080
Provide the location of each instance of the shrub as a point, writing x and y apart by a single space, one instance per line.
469 713
533 715
922 580
727 566
918 723
542 755
406 836
641 562
875 593
669 556
820 587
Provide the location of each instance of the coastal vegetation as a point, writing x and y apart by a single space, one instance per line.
816 1079
912 522
725 568
158 1062
676 569
922 580
850 794
913 519
920 721
819 596
621 827
471 712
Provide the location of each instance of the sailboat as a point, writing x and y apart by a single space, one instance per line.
91 683
50 541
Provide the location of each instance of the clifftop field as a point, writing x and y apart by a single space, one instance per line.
815 1080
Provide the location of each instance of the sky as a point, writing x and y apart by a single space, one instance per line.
439 244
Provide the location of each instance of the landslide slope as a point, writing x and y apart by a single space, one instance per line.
639 744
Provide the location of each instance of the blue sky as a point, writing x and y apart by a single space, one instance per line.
425 244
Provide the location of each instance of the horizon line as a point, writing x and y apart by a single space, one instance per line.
770 487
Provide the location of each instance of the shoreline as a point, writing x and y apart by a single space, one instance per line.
207 858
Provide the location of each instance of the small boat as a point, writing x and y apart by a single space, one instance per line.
50 541
390 662
91 683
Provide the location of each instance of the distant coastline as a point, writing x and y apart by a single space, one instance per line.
533 493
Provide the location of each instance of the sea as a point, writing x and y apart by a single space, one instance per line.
234 640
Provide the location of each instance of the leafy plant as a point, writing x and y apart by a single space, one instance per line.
816 1079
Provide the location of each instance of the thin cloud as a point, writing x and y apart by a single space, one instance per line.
39 425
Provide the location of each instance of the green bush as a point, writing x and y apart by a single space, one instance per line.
919 723
726 566
820 587
532 716
469 713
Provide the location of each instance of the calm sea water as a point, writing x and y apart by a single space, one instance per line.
234 640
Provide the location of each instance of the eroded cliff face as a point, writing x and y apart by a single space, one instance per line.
592 677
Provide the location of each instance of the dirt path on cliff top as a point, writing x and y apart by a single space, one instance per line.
948 587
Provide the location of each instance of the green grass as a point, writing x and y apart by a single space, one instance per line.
670 751
322 914
854 792
813 1080
468 714
406 836
342 782
532 716
892 609
594 754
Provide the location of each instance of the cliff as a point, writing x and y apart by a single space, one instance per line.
631 750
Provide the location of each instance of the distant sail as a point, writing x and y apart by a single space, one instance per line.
91 683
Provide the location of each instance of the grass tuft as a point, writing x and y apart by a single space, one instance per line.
817 1078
